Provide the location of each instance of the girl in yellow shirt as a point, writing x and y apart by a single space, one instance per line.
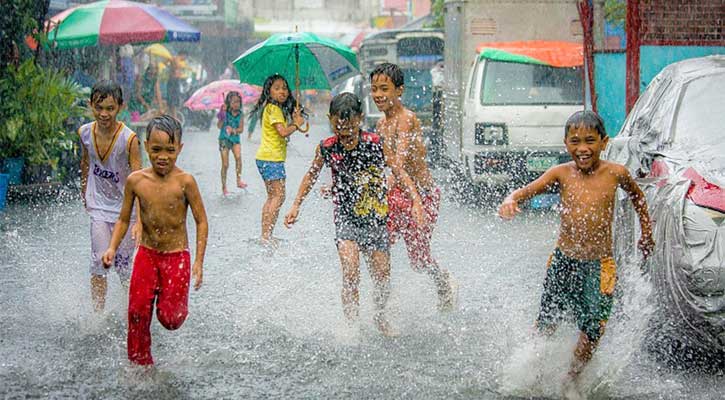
277 107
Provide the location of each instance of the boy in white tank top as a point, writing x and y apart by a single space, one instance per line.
111 152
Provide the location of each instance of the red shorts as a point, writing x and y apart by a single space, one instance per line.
162 278
401 222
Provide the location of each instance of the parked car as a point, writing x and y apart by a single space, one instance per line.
673 142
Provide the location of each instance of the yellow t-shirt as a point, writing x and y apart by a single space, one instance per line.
273 146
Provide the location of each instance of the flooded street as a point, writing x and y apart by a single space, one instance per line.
270 325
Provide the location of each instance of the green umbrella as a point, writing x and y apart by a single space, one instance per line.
314 62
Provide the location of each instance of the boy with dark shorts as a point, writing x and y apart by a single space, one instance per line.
413 211
358 160
581 273
162 267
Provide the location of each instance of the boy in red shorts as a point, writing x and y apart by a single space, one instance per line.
162 266
401 129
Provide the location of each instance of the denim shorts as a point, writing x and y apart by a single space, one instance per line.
270 170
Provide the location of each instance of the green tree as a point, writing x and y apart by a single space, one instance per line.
437 14
615 12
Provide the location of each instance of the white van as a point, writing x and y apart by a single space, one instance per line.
516 104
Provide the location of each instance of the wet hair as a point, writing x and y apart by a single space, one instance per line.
105 88
586 119
165 123
345 105
390 70
229 97
288 107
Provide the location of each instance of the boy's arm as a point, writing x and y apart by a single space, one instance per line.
84 173
510 206
193 196
134 161
308 181
121 226
646 244
395 163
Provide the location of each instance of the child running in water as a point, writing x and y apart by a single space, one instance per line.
230 121
110 152
161 268
277 107
581 273
413 211
357 160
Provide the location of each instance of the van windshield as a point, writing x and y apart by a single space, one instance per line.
507 83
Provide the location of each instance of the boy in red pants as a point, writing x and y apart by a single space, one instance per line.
162 266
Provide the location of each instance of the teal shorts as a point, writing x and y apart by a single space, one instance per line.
582 288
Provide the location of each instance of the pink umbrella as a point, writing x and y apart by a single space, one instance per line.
211 96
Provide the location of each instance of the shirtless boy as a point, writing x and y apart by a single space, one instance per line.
357 160
161 267
401 129
581 274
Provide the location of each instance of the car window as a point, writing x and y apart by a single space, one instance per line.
507 83
700 119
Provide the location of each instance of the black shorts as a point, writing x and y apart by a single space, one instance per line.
369 237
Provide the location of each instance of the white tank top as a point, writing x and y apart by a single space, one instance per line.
107 172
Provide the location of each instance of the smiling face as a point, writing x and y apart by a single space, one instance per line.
384 92
162 151
235 103
346 129
105 111
584 146
279 91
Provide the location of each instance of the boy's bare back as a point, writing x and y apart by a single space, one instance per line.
164 202
587 207
406 138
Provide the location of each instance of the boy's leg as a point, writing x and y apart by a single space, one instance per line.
141 296
224 151
379 263
270 210
417 241
350 261
237 150
100 239
172 305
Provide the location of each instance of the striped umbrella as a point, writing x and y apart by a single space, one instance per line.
117 22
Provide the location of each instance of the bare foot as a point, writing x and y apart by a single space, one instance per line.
570 388
448 298
225 192
384 326
241 184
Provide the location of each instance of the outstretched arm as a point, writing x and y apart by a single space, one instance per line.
510 206
119 230
193 196
134 161
307 183
646 244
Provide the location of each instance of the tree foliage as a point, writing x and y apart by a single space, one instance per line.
437 13
37 103
615 12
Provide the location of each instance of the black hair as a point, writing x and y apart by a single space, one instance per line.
165 123
587 119
345 105
105 88
288 107
228 100
390 70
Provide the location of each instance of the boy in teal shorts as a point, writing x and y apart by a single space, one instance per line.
581 274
